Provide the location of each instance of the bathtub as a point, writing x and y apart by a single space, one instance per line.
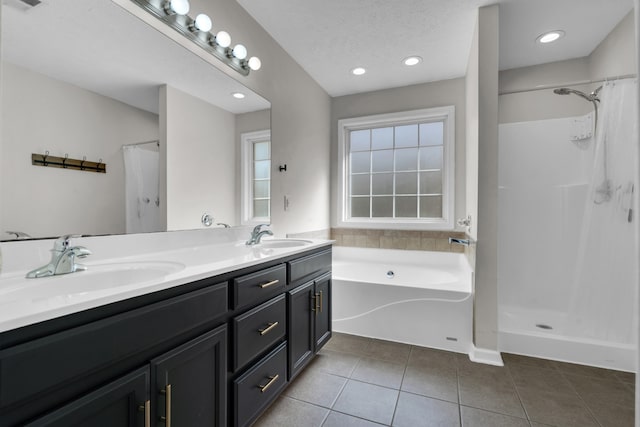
414 297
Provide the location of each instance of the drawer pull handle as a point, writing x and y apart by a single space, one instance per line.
267 284
268 328
320 301
167 417
272 380
317 303
146 408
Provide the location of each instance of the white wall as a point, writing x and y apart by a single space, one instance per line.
472 88
486 280
200 160
41 114
428 95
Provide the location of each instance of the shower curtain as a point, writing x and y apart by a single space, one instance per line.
603 302
142 191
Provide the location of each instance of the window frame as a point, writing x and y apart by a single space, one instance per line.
345 126
247 140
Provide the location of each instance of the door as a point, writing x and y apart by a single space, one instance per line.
323 311
301 324
190 382
122 403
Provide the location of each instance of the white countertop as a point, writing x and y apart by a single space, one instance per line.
140 270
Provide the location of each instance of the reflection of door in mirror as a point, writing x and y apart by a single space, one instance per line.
142 191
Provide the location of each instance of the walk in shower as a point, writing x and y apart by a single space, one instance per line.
567 256
142 199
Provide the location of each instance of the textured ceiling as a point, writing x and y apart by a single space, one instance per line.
329 38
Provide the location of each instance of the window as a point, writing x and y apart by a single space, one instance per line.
397 170
256 177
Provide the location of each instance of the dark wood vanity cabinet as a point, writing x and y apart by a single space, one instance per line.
215 352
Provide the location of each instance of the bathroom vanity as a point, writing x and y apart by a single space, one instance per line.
214 351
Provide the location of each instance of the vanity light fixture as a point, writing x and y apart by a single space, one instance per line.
358 71
174 13
550 36
238 95
411 61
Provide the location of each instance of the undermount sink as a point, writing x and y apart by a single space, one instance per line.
283 243
97 277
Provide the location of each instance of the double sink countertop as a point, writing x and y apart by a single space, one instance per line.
114 274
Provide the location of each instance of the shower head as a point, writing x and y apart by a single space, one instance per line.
592 97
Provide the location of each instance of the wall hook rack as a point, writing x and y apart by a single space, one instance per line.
67 163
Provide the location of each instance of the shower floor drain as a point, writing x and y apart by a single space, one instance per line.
543 326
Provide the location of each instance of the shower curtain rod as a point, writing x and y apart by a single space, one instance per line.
155 141
559 85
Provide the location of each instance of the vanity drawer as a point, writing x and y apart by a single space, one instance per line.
257 287
44 364
254 390
258 329
309 265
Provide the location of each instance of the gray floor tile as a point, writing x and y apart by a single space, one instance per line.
431 382
337 419
421 356
349 344
416 411
519 360
472 417
287 412
316 387
596 390
590 371
389 351
612 415
542 379
374 371
557 409
335 362
468 368
491 392
367 401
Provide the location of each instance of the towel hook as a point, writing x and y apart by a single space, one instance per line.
64 161
44 158
84 158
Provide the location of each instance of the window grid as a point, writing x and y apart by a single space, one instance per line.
258 202
395 172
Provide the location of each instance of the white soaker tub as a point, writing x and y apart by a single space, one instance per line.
414 297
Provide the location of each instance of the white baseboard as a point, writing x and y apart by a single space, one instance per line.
483 355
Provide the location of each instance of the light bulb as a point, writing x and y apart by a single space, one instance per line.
179 7
203 22
255 63
412 60
223 39
239 51
551 36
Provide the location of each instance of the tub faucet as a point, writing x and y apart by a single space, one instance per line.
257 234
63 259
463 242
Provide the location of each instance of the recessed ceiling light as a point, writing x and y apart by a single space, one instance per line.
412 60
238 95
550 36
358 71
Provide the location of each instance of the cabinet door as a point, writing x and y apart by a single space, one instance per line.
301 324
190 382
323 311
122 403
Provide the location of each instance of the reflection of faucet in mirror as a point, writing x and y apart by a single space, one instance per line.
223 224
19 235
63 259
257 234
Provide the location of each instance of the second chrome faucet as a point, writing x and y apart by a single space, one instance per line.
257 233
63 259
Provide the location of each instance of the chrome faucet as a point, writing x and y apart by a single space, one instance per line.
257 234
463 242
63 259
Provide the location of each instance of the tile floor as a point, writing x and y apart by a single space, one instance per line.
360 382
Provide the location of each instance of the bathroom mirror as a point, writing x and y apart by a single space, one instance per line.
87 80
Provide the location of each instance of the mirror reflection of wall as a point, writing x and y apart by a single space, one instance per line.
88 97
